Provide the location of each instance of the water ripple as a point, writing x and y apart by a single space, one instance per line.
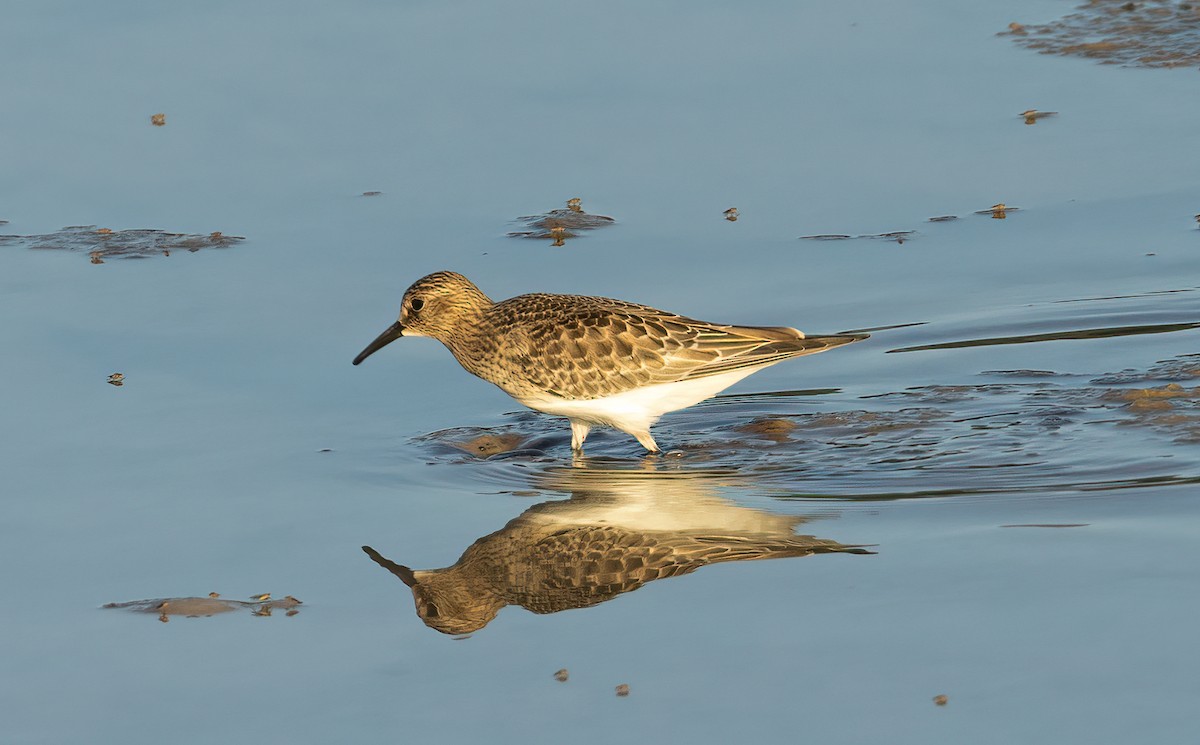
1036 432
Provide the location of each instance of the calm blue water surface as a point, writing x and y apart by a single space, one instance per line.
208 471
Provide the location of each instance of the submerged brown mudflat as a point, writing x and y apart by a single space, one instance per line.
561 224
481 442
103 243
1150 33
488 444
899 236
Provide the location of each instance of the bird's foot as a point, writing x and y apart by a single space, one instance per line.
648 442
579 433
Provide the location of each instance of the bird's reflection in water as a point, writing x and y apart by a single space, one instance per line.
618 531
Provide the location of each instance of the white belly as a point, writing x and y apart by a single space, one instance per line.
636 410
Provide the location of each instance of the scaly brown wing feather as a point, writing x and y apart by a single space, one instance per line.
581 566
602 346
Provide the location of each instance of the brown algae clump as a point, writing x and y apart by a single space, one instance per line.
104 243
561 224
213 604
488 444
1150 33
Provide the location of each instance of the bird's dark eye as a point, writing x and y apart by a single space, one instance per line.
416 304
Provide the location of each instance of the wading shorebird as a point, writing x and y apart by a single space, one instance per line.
593 360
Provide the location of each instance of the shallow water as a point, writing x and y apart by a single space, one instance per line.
1032 371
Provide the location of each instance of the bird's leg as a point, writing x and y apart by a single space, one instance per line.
647 441
579 433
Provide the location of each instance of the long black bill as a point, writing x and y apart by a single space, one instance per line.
394 332
404 573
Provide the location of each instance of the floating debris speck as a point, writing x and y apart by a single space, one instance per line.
1032 116
997 211
561 675
943 218
371 193
731 214
941 699
623 689
116 379
159 120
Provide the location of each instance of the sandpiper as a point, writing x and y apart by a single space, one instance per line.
593 360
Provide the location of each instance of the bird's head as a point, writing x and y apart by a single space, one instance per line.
443 305
444 599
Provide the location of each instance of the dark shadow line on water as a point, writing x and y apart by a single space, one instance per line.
986 416
1082 486
726 398
872 329
1101 333
1150 293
